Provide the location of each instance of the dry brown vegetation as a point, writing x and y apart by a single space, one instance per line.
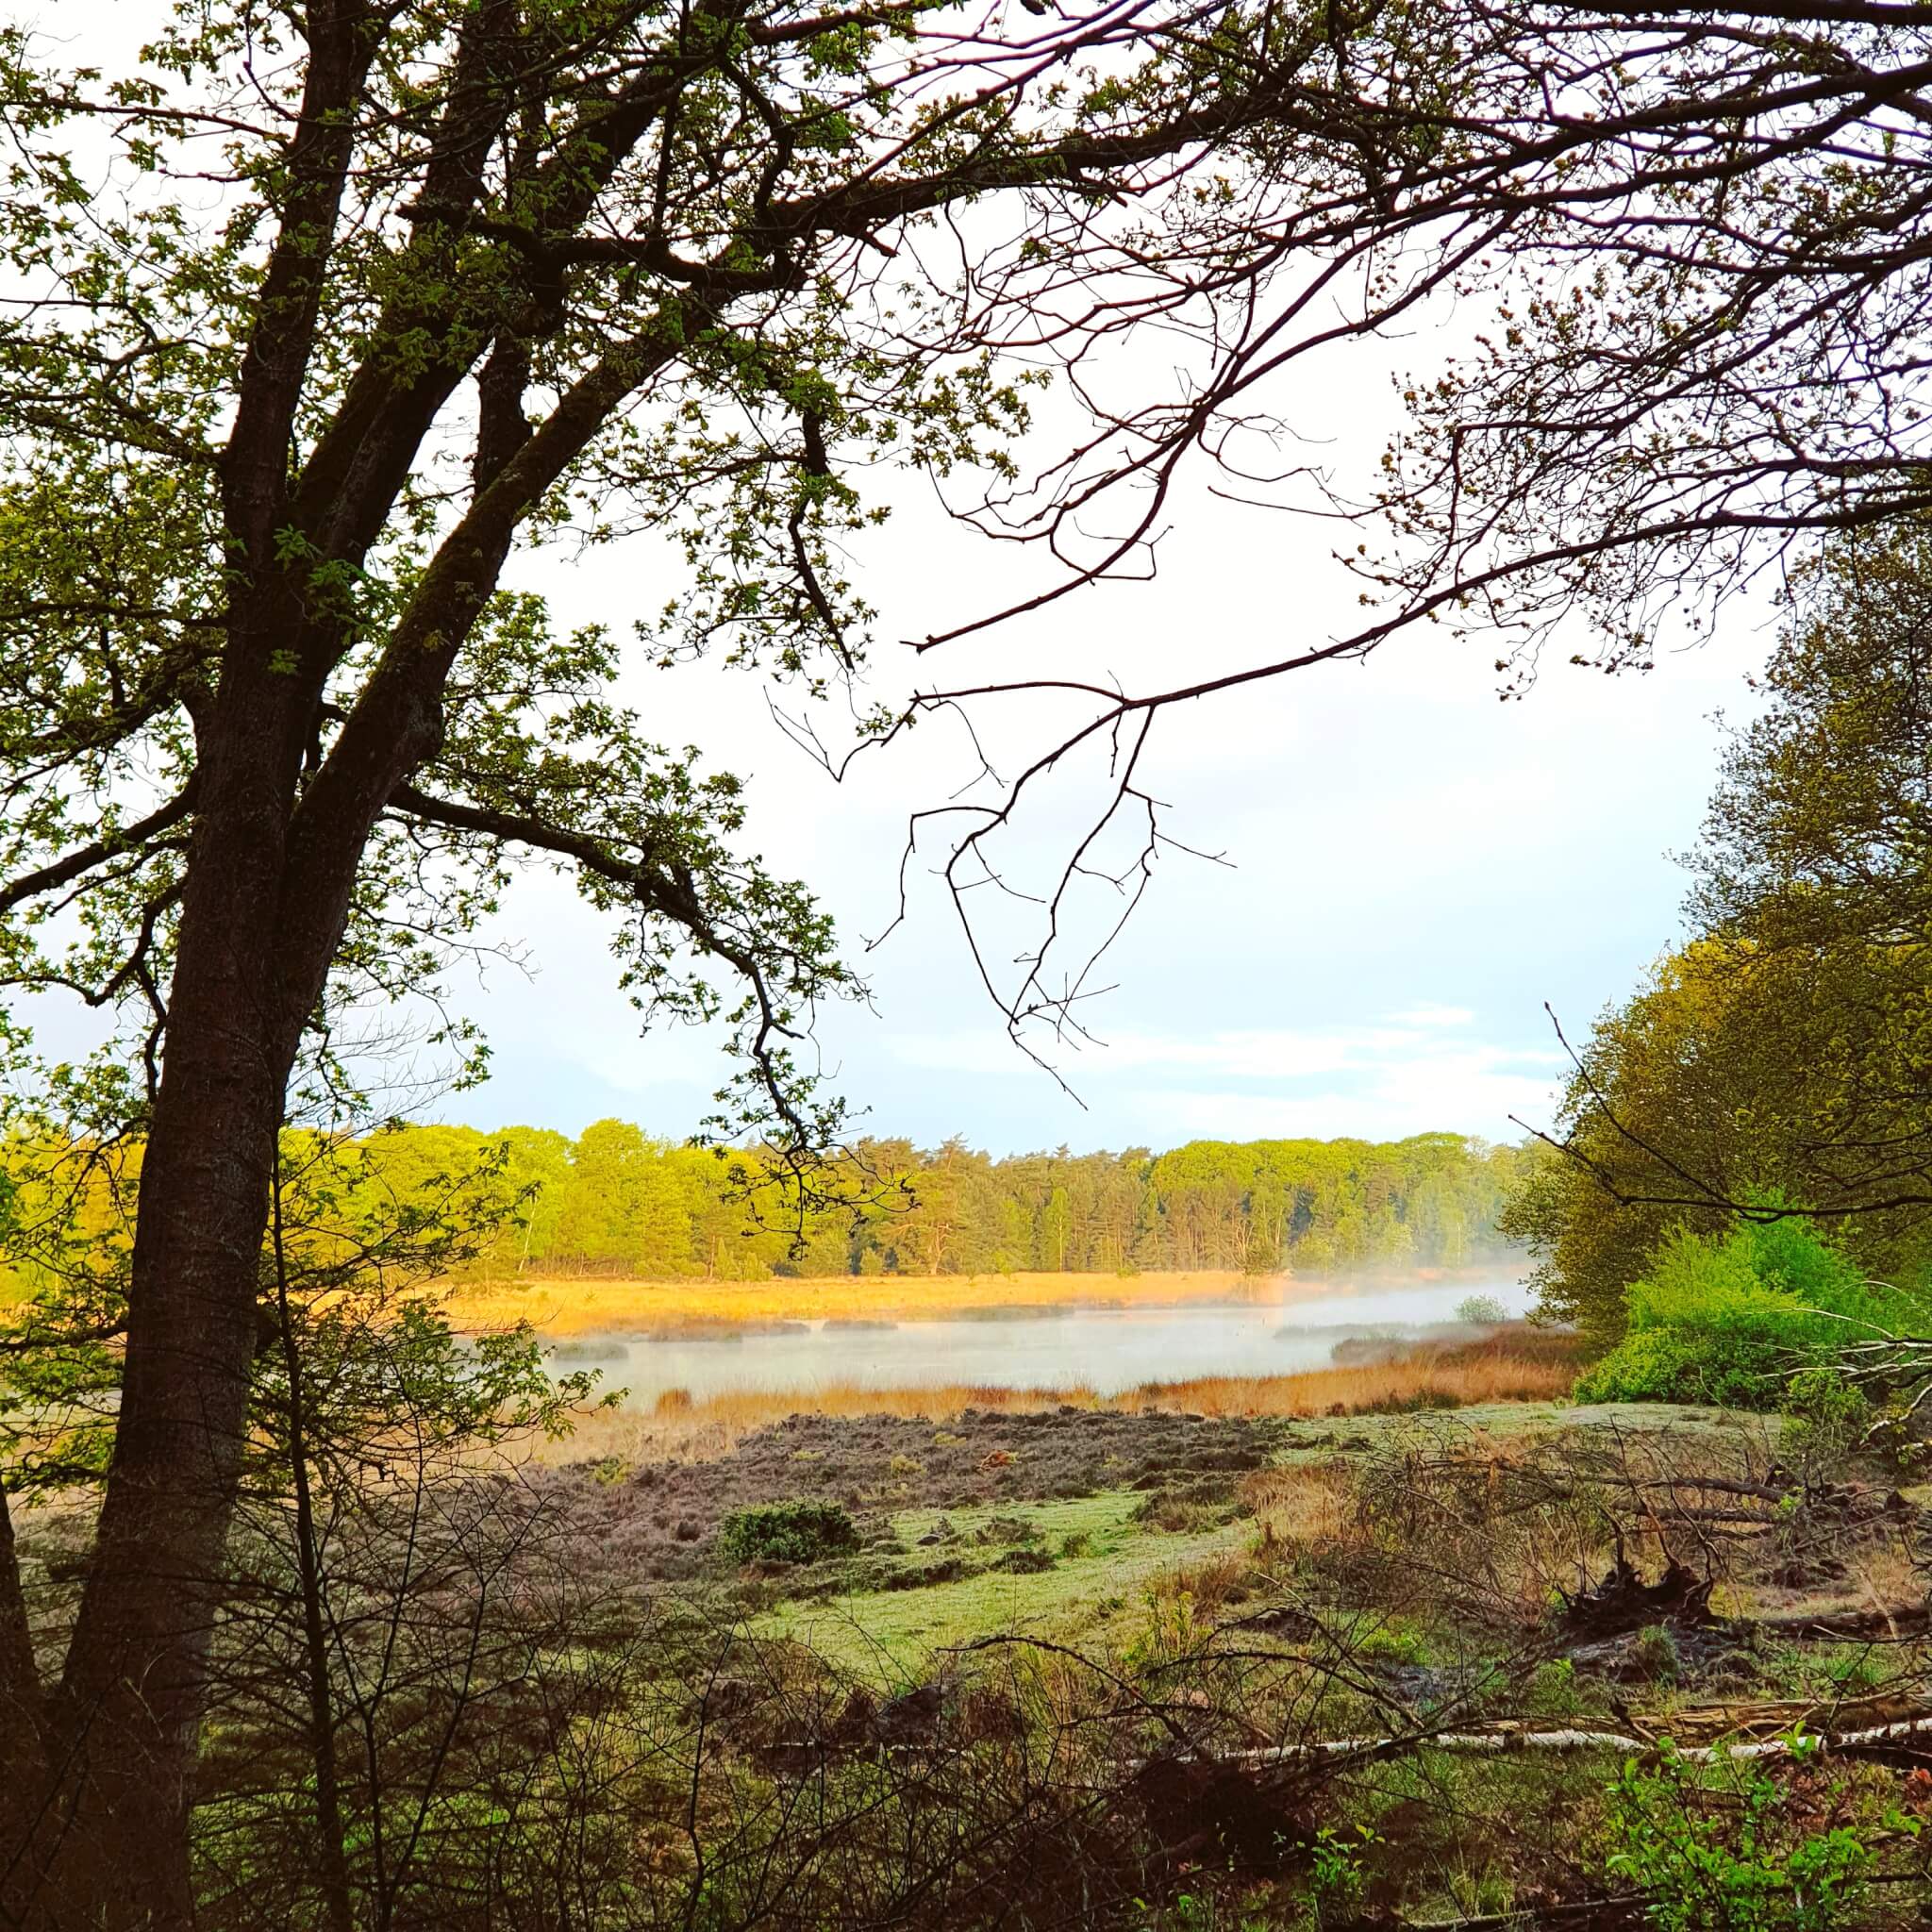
581 1307
1532 1370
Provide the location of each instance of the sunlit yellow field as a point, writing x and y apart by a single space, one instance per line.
582 1306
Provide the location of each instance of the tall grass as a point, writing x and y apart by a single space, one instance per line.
579 1305
1429 1378
582 1306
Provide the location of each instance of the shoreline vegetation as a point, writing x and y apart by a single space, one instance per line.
1517 1362
589 1305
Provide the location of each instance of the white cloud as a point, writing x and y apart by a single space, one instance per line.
1464 1094
1257 1054
1378 1082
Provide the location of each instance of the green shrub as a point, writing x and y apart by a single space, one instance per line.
800 1532
1398 1642
1336 1878
1826 1419
1025 1562
1731 1319
1650 1365
1736 1857
1553 1691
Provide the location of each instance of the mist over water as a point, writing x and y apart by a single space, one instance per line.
1104 1349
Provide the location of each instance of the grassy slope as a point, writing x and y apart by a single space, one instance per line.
892 1636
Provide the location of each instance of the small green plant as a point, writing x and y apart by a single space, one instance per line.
1397 1641
1334 1874
1553 1691
1193 1911
1655 1654
1855 1673
1481 1310
609 1470
1171 1633
806 1531
1479 1893
1025 1561
1730 1856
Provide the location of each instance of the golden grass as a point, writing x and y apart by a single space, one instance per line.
680 1426
1300 1503
579 1305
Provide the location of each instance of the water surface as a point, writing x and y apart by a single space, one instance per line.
1107 1350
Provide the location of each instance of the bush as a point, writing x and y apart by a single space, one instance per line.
1734 1858
1481 1310
1731 1319
800 1532
1651 1365
1825 1419
1655 1654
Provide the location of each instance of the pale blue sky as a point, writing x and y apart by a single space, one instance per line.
1418 867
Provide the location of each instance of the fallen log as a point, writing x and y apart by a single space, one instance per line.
1619 1908
1886 1625
1503 1739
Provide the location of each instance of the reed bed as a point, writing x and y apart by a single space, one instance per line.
586 1305
677 1424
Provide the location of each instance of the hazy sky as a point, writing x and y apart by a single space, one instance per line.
1417 867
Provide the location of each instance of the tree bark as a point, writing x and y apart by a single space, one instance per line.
331 1856
111 1847
23 1720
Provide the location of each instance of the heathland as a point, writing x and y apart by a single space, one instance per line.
1392 1659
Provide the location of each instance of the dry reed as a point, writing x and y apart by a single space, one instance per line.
589 1305
681 1426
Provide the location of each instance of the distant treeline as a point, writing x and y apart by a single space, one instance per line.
618 1202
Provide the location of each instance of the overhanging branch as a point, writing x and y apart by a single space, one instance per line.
63 871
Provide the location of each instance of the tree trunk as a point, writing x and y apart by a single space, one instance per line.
331 1854
109 1844
22 1716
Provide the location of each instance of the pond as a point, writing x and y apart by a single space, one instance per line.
1104 1349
